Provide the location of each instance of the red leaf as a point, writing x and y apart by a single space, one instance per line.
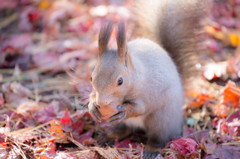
124 144
185 146
77 128
33 16
86 136
66 122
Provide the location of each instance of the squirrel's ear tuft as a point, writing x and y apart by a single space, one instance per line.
104 37
121 42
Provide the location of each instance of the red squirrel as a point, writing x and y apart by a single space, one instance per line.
142 79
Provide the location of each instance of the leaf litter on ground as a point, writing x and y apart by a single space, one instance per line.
47 51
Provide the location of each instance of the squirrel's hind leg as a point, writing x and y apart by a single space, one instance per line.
161 127
120 131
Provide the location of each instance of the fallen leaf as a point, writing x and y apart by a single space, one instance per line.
225 152
15 93
221 110
19 41
185 146
66 122
87 154
86 136
77 127
125 144
231 94
199 99
188 131
28 108
47 113
109 153
57 132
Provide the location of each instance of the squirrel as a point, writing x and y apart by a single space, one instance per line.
142 80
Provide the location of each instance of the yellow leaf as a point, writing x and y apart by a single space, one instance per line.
234 39
45 4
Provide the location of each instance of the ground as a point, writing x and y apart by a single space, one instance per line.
47 51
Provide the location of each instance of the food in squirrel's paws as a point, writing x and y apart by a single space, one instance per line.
109 111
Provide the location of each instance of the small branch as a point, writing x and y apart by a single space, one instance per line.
8 20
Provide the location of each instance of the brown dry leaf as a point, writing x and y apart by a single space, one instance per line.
108 153
15 93
87 154
28 108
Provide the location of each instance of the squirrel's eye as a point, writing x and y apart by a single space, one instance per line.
120 81
91 78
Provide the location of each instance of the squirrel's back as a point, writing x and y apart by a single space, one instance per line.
155 72
153 58
176 26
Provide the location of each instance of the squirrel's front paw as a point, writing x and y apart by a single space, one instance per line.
117 118
94 111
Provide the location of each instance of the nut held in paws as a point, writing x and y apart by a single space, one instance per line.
107 112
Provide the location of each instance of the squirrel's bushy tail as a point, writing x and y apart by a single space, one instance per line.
176 26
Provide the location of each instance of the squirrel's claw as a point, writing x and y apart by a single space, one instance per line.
95 112
117 118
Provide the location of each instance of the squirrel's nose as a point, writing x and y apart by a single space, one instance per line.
102 103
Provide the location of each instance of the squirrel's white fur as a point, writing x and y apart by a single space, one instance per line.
159 86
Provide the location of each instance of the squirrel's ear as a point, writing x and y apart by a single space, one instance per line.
121 42
104 37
